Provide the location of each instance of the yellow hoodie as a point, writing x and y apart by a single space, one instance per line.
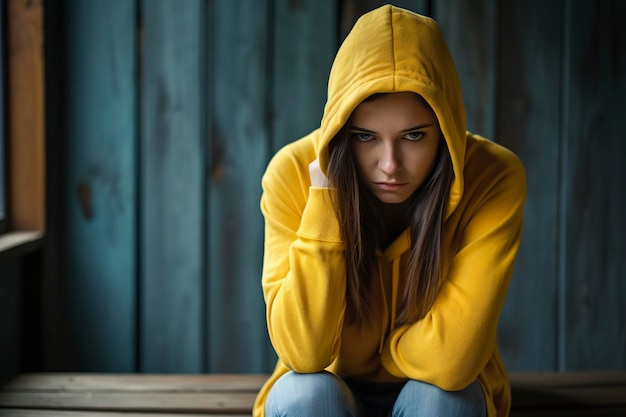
304 278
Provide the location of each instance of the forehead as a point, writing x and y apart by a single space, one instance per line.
393 108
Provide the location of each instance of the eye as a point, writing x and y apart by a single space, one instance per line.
363 136
414 136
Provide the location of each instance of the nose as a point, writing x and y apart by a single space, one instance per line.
389 161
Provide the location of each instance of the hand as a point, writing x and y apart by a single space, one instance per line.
318 179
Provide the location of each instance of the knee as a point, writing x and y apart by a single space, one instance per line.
304 394
420 398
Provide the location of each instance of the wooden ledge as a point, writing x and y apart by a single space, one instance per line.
537 394
18 243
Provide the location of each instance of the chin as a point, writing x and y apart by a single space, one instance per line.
387 199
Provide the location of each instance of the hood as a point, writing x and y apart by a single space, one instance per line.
393 50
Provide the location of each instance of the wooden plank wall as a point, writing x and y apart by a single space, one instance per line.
304 41
528 121
593 174
101 176
172 186
25 117
174 109
240 132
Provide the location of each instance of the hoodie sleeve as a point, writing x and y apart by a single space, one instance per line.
451 345
303 268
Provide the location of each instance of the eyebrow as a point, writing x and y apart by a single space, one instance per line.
411 129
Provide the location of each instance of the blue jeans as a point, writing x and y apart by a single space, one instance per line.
324 394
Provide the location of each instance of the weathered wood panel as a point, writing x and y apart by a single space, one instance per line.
351 10
528 123
168 402
534 394
26 116
172 158
594 197
239 97
223 85
100 253
305 42
87 382
469 28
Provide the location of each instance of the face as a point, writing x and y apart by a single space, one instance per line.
394 141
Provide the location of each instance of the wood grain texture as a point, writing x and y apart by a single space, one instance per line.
534 394
470 29
351 10
26 115
305 42
100 250
172 274
158 183
528 123
239 150
594 200
135 382
202 402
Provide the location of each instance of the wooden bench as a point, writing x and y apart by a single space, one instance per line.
595 394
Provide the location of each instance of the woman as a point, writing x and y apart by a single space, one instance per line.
391 234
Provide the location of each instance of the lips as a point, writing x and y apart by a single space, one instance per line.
390 186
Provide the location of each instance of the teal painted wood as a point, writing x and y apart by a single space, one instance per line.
351 10
305 42
528 123
100 255
173 187
240 95
469 28
221 326
594 174
10 320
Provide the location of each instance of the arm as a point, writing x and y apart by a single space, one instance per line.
454 341
303 268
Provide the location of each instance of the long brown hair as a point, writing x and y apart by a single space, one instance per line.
363 231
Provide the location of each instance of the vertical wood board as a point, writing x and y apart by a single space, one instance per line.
470 30
26 117
594 151
351 10
528 123
225 84
305 42
239 152
172 186
100 191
